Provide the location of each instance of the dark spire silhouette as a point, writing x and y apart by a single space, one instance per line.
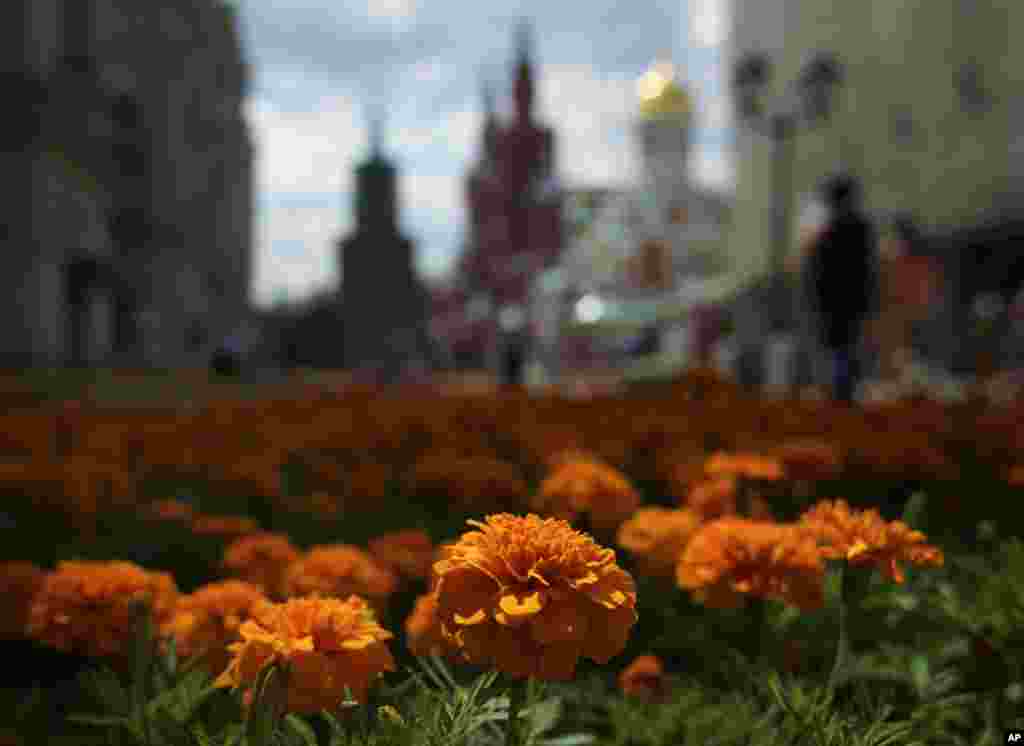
524 42
375 126
487 97
523 87
490 125
376 194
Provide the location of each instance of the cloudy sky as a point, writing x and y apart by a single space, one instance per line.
319 65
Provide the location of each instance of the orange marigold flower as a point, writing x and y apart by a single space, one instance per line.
584 485
87 607
719 496
408 553
423 632
224 526
657 537
713 498
466 481
206 621
340 570
769 560
810 460
644 678
863 537
326 644
262 559
531 596
19 583
746 465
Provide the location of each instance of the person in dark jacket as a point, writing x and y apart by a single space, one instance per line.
842 274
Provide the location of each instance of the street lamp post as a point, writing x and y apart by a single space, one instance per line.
816 85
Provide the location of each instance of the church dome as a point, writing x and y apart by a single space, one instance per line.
662 97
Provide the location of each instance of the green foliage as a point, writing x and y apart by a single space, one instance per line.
161 704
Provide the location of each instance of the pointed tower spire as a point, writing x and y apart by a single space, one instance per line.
523 87
375 193
487 97
376 133
490 120
524 42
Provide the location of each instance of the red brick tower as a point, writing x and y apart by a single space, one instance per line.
514 206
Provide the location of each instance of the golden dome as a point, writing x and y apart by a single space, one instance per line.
661 96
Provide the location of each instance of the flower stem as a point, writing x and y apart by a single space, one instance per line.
515 733
757 618
843 643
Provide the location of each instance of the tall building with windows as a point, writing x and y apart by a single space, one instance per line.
127 237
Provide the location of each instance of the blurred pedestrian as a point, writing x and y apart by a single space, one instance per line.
908 288
842 279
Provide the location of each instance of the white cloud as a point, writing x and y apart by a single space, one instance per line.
591 116
431 192
305 151
455 137
305 258
306 155
399 15
709 22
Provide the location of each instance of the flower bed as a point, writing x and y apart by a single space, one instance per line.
682 564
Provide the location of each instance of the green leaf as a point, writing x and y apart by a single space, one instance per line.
164 729
919 672
301 728
199 733
142 660
543 716
337 729
234 735
572 739
914 510
169 659
104 685
103 721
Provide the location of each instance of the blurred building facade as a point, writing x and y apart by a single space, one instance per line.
514 232
929 116
127 238
634 272
383 305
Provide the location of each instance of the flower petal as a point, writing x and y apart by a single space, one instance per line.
523 603
466 592
608 632
613 588
562 621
